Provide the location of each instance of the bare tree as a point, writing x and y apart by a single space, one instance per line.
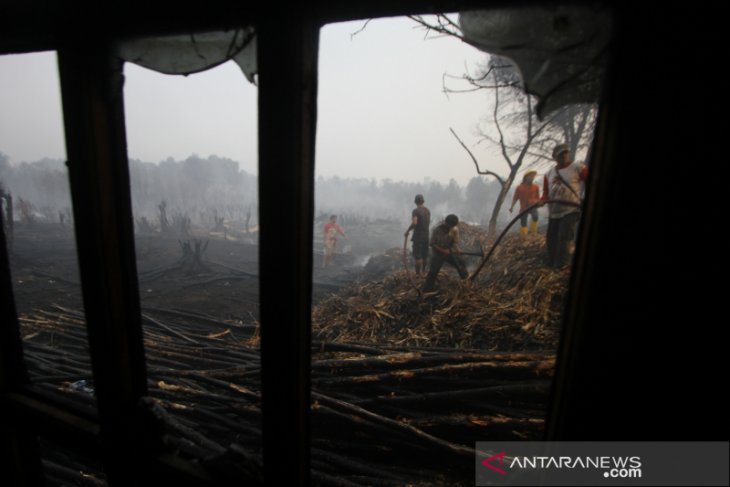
514 153
164 222
6 215
513 128
574 125
521 137
27 211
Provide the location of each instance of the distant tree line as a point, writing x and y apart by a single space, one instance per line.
201 189
40 188
391 200
208 189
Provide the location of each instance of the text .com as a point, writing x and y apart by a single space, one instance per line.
623 473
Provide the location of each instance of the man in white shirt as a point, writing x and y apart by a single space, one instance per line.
562 182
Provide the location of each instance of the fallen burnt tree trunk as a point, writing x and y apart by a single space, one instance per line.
380 416
481 370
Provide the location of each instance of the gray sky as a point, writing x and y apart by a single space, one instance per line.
381 110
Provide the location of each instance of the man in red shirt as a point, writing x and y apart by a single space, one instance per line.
331 230
528 193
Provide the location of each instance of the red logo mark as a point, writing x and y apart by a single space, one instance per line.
487 463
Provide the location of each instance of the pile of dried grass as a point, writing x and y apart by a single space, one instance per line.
515 304
471 236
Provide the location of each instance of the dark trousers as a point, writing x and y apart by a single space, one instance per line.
560 232
437 260
420 249
532 213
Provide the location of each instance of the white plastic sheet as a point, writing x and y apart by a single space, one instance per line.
560 51
193 53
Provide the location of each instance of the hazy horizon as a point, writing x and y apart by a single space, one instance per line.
381 110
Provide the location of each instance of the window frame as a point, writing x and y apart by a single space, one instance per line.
93 110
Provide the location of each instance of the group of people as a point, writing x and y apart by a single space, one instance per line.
444 241
561 192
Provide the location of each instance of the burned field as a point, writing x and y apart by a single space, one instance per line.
402 384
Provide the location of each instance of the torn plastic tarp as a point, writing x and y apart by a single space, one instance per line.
193 53
560 51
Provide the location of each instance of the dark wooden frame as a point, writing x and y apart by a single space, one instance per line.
599 344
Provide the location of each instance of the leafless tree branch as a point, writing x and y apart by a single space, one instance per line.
443 25
475 82
476 164
515 148
451 23
514 113
360 29
446 27
495 115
